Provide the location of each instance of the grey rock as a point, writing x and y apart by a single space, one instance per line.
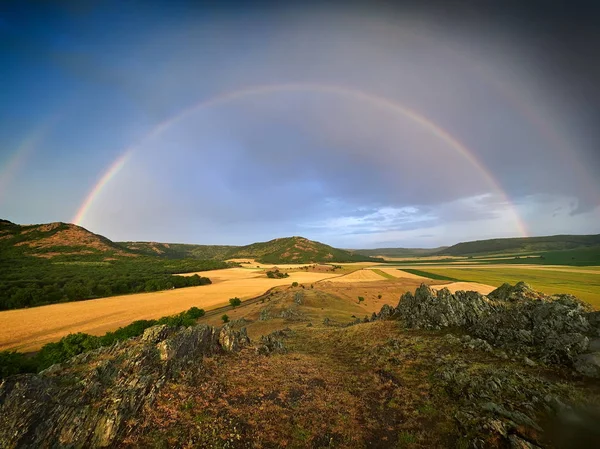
386 312
298 298
264 315
158 333
553 329
588 364
232 340
90 400
519 443
594 345
273 342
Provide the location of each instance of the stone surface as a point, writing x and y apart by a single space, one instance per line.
552 329
588 364
89 400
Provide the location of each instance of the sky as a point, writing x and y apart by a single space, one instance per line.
358 124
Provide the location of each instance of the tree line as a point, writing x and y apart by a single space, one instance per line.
29 283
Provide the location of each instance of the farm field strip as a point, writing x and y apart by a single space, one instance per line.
583 284
29 329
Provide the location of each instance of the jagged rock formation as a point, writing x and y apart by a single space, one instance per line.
552 329
91 401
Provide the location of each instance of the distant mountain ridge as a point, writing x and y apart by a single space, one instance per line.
523 245
65 240
400 252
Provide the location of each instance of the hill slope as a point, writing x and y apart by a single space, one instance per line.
523 245
180 250
54 240
296 250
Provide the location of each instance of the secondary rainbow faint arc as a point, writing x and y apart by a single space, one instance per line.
434 129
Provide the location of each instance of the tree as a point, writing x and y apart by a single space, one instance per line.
360 299
235 302
294 284
225 318
379 296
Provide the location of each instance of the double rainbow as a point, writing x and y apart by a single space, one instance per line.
395 107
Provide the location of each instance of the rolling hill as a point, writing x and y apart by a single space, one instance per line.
523 245
297 250
180 250
57 240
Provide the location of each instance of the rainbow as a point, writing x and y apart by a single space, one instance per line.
22 153
358 95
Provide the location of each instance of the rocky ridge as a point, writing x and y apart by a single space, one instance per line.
557 329
93 400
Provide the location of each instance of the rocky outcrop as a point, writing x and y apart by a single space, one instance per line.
90 400
553 329
273 342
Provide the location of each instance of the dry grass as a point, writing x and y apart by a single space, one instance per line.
29 329
337 387
390 291
364 275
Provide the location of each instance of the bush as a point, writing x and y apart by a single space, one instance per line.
195 313
379 296
294 284
225 318
235 302
360 299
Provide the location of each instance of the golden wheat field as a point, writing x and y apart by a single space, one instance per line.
29 329
364 275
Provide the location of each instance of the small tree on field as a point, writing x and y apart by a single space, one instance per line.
225 318
294 284
235 302
360 299
379 296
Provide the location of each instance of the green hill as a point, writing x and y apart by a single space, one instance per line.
57 241
297 250
181 250
523 245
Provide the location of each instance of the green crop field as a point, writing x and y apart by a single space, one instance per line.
586 286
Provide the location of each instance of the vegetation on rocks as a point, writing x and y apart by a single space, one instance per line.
74 344
422 374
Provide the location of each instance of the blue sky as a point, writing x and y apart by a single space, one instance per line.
84 81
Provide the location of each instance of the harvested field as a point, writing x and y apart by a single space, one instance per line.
29 329
390 291
363 275
401 274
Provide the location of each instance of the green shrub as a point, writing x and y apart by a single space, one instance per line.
225 318
294 284
235 302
